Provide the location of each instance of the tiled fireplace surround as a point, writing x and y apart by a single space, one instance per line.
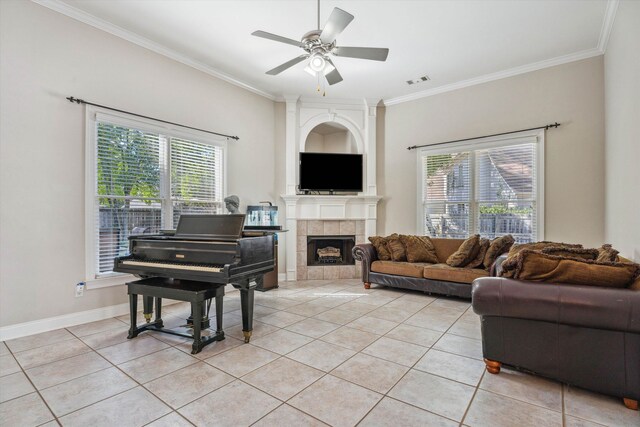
327 228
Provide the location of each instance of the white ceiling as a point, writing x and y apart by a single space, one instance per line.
455 43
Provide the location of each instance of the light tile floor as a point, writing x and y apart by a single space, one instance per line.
322 353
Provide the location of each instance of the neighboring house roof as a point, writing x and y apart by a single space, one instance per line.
514 168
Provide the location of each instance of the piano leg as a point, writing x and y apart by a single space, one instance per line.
246 305
158 320
205 323
133 311
147 303
219 310
196 308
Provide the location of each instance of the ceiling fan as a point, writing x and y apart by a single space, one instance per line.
319 44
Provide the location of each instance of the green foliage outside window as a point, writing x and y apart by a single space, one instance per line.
502 209
438 162
128 165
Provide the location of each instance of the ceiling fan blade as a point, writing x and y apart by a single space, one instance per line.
276 38
334 76
338 21
374 53
288 64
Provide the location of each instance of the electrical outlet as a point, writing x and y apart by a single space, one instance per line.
80 289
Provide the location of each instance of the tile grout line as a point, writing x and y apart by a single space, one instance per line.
173 411
564 417
475 392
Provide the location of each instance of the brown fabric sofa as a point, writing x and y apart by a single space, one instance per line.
434 278
587 336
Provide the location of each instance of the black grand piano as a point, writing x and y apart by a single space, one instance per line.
204 248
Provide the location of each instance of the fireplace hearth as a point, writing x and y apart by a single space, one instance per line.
330 250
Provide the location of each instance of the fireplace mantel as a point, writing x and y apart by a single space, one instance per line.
330 207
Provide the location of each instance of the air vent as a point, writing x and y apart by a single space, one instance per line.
418 80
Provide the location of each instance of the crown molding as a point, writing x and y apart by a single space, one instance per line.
607 24
86 18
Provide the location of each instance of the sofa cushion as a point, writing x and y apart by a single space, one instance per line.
498 246
607 253
409 269
538 246
538 266
447 273
419 249
582 253
380 243
466 252
635 285
445 247
479 259
396 248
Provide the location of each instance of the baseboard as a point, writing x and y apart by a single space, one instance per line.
51 323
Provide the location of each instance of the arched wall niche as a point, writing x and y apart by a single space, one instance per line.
330 137
356 143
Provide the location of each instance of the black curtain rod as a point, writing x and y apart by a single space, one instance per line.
555 125
82 101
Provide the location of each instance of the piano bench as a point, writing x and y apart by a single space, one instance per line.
196 293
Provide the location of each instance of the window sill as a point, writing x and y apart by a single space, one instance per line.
108 281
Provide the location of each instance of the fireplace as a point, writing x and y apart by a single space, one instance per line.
330 250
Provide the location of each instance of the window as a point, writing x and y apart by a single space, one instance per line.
492 188
143 177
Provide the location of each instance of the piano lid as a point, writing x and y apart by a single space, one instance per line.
215 226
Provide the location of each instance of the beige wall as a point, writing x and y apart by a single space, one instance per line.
622 116
571 94
45 57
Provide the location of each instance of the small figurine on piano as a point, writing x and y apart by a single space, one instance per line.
232 203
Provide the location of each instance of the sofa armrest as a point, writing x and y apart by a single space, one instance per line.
366 253
586 306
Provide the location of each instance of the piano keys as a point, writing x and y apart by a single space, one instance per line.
205 248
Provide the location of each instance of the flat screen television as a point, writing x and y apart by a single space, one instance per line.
330 172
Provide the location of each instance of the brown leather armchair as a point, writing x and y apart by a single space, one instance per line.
587 336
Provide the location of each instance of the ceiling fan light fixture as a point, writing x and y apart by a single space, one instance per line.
317 62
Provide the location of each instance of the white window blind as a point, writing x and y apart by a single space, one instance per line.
506 192
196 180
491 190
447 194
144 182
